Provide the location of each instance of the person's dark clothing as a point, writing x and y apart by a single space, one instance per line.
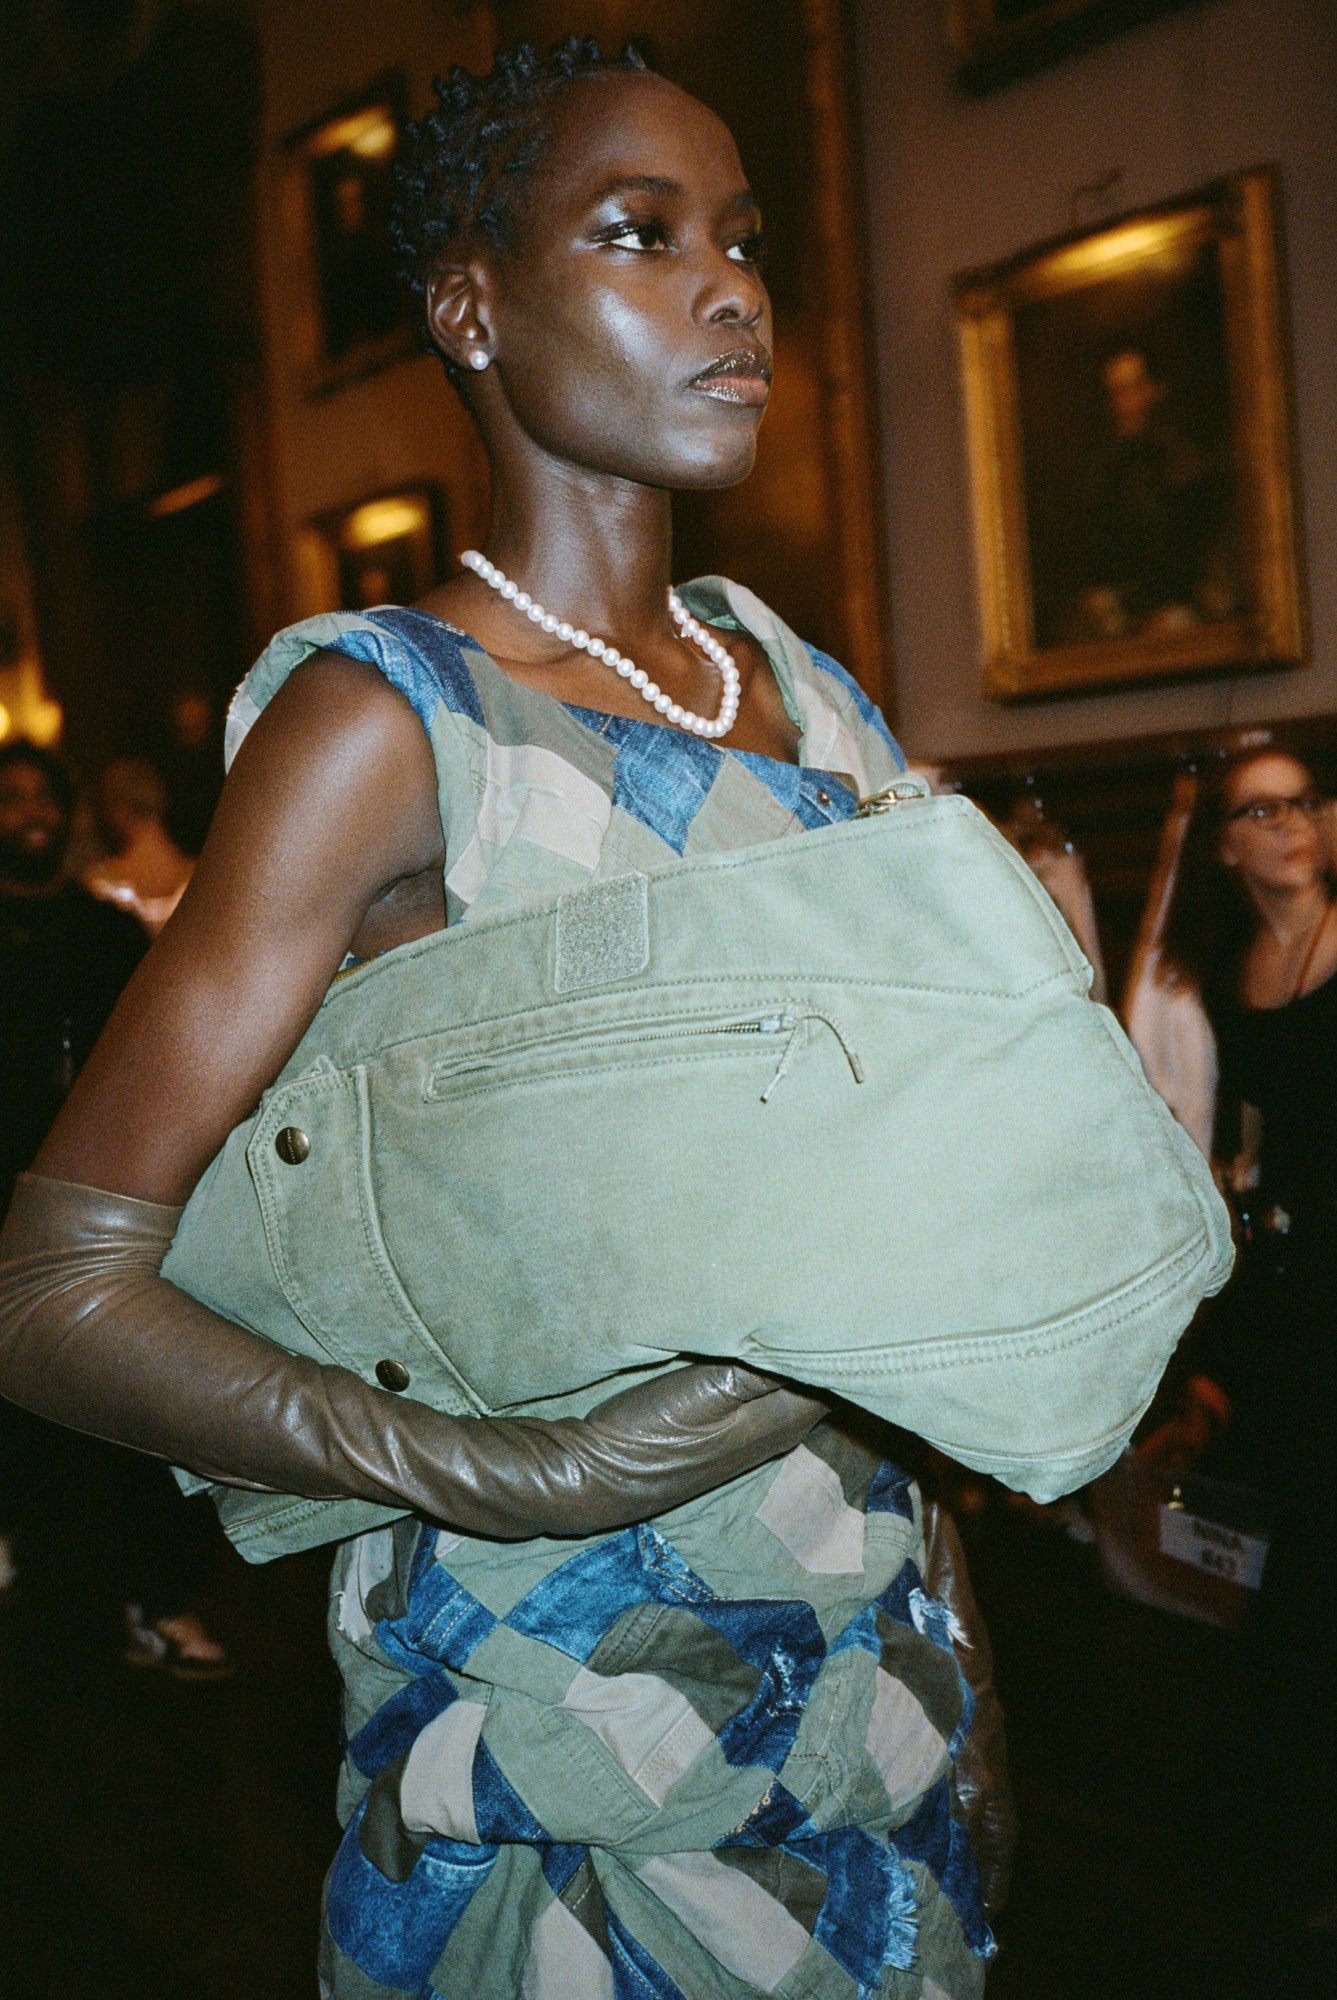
64 959
1274 1350
89 1519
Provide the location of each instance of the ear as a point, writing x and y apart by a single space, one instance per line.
458 314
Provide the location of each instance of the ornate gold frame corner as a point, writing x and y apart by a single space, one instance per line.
1242 211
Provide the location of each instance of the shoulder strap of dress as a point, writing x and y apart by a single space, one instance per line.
426 659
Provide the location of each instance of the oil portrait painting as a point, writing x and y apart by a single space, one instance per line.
1128 420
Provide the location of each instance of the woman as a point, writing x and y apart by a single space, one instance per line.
1252 928
687 1760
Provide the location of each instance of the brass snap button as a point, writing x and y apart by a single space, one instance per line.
823 797
292 1145
392 1375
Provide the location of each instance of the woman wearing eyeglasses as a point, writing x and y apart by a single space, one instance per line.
1252 926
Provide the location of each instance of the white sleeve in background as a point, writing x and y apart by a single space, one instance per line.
1168 1026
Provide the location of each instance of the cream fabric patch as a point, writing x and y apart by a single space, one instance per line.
751 1935
564 1961
902 1742
372 1563
532 794
651 1729
436 1792
806 1509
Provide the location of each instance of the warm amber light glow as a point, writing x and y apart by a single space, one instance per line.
383 521
178 498
370 134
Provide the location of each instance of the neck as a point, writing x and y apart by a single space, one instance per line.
1290 914
593 549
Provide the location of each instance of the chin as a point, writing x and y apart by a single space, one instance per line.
715 471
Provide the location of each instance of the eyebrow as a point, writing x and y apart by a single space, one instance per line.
657 184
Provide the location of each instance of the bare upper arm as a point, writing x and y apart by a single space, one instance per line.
330 803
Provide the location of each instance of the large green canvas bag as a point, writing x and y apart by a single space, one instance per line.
837 1105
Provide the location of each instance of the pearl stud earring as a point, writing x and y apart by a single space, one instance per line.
478 359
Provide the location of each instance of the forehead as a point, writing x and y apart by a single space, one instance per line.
1274 775
636 126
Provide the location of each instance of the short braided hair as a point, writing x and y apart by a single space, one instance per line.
464 163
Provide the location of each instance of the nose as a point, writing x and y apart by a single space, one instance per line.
732 294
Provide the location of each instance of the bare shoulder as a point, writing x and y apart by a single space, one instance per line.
330 808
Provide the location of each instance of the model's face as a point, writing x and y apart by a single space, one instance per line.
633 277
33 827
1273 831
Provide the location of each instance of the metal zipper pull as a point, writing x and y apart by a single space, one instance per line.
894 794
798 1039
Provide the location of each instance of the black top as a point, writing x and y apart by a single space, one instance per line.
63 961
1283 1060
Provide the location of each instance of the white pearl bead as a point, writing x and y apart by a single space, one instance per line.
663 702
580 638
548 622
612 657
535 614
510 590
523 600
627 669
675 712
596 647
639 679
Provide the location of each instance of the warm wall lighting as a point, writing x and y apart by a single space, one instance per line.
178 498
381 521
371 134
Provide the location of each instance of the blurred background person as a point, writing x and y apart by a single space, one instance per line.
144 870
1251 929
64 957
1162 1008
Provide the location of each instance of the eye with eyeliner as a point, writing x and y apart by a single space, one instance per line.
750 249
654 236
613 234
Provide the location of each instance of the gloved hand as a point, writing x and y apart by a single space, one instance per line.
983 1783
93 1337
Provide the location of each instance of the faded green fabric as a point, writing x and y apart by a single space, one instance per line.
835 1104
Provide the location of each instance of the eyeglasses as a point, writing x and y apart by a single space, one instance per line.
1267 812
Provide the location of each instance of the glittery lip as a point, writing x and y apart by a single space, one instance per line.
743 375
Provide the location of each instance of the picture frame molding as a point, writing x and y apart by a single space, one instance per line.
320 373
1242 212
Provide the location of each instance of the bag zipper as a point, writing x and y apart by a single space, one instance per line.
793 1022
897 793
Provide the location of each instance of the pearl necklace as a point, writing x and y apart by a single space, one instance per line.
599 649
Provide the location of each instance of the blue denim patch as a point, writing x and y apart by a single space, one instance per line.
425 658
869 712
499 1811
864 1931
941 1844
396 1931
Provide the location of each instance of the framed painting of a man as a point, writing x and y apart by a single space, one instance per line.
355 313
1128 416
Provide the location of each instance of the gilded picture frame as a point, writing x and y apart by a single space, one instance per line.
997 41
355 316
1129 430
388 548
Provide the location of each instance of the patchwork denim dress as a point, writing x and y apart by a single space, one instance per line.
706 1758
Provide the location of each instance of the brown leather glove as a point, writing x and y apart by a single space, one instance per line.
983 1784
92 1337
